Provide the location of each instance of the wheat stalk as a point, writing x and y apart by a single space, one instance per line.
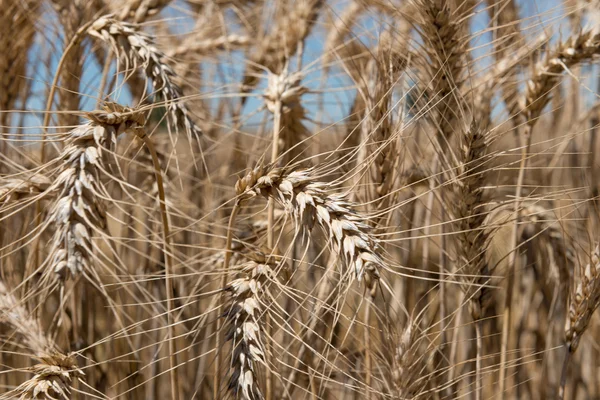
56 372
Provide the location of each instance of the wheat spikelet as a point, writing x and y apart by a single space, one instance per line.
309 204
137 50
15 189
79 210
138 10
471 214
410 359
15 314
53 376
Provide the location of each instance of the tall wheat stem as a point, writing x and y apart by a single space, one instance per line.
510 277
171 337
368 366
226 260
271 238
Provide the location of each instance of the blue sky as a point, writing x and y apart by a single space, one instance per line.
548 15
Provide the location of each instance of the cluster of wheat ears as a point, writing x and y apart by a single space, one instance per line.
299 199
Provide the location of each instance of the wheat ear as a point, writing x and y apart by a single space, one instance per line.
287 36
472 238
138 50
55 372
138 10
79 209
443 61
245 329
309 204
584 303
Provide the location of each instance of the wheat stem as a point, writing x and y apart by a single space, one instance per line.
171 336
224 278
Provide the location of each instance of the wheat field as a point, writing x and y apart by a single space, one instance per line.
299 199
